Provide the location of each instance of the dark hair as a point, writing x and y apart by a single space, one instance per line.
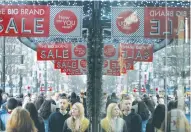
135 102
158 116
172 105
143 110
74 98
45 109
33 112
19 102
12 103
63 97
38 102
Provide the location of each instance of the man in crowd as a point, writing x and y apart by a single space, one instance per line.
132 119
57 119
11 105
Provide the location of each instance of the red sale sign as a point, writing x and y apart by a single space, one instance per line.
79 51
137 52
70 71
161 22
124 65
24 21
111 51
54 51
66 64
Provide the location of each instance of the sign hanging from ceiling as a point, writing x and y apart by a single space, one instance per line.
66 21
127 22
61 51
137 52
40 21
149 22
24 21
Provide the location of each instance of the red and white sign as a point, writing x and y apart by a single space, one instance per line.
83 63
137 52
75 67
54 51
128 22
72 71
80 50
24 21
65 21
125 65
111 51
156 25
66 64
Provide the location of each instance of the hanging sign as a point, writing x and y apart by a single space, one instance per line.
66 64
149 22
79 67
66 21
162 22
137 52
41 21
58 51
127 22
24 21
72 71
79 51
111 51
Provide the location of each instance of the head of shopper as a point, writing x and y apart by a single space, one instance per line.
20 121
12 103
113 111
63 104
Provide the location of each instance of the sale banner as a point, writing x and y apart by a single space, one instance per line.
24 21
60 51
79 67
70 71
127 22
79 51
164 22
113 68
66 21
137 52
126 65
66 64
111 51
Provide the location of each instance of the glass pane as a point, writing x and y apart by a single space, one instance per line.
98 66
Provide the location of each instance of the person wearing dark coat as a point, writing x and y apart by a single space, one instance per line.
57 119
38 121
132 119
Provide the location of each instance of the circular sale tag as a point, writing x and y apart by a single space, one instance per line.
128 22
83 63
65 21
80 50
109 51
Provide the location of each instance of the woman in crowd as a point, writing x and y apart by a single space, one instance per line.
142 109
77 122
154 124
44 112
38 121
113 122
20 121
